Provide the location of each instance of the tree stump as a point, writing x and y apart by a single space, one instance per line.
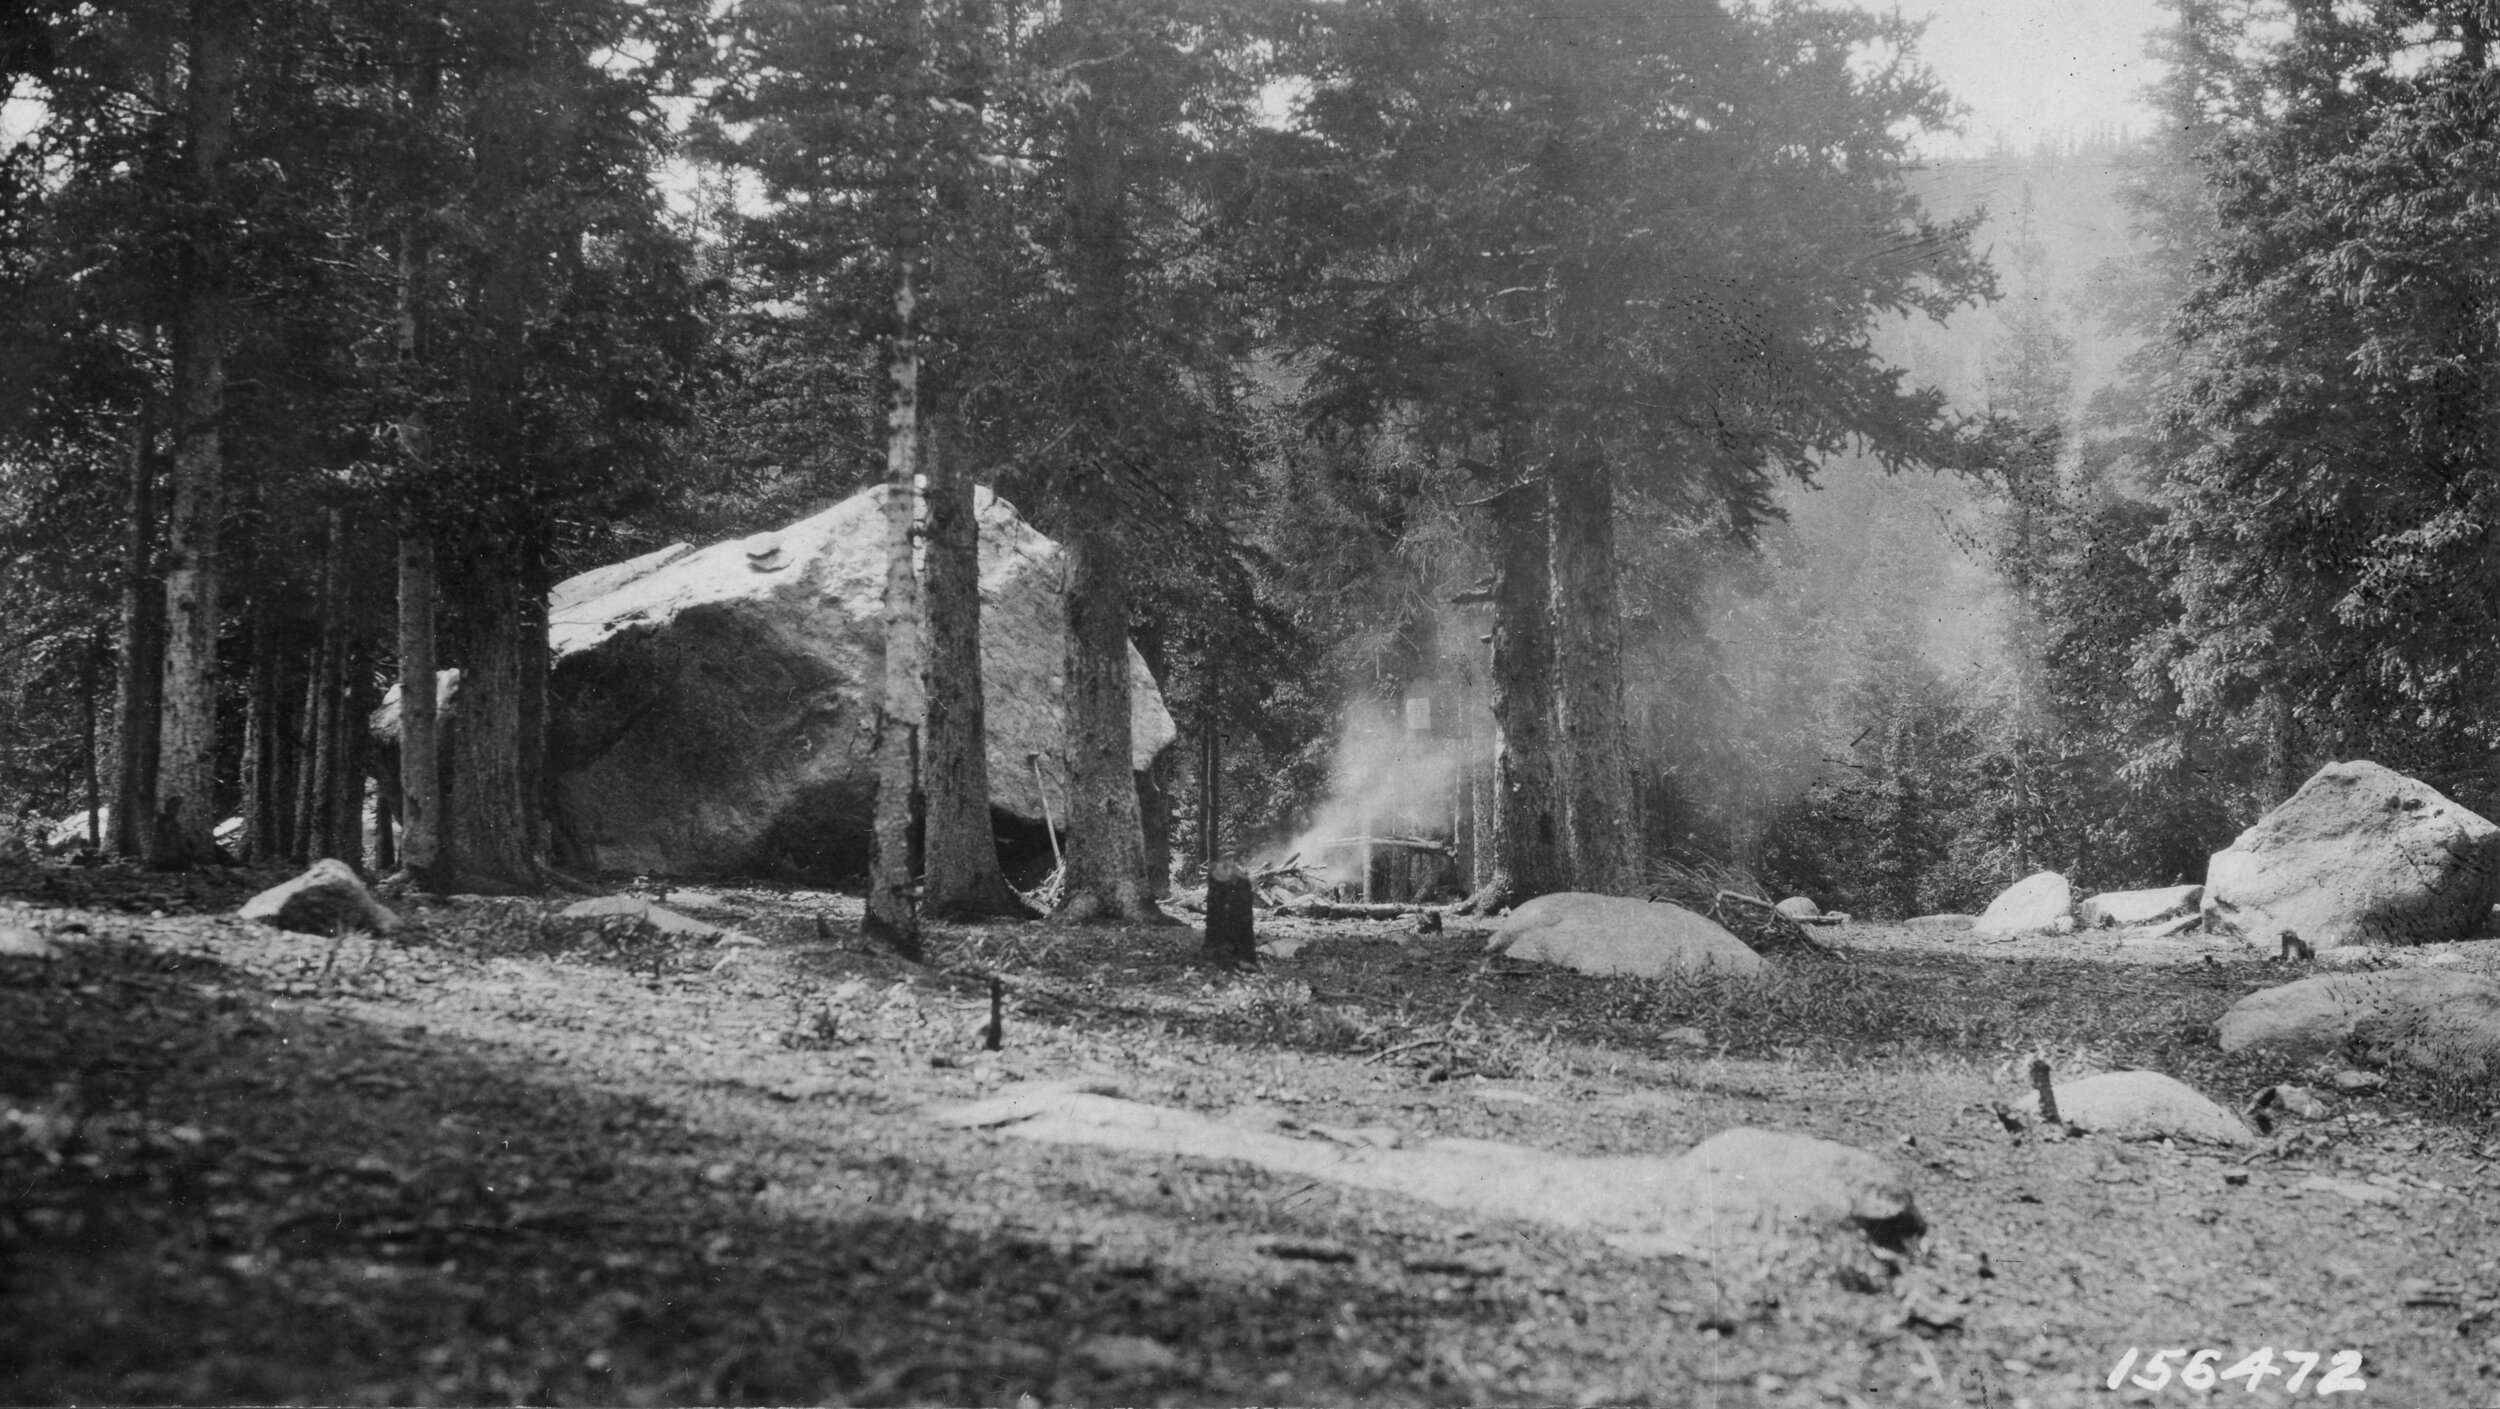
1231 939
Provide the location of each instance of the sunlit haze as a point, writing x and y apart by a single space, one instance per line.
2030 70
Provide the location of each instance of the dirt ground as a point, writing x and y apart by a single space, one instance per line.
508 1159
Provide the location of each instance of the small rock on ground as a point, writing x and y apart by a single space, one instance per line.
659 917
326 899
2143 1105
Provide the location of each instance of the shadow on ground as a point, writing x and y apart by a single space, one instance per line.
207 1198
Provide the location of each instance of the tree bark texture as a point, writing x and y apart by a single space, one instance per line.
1106 855
269 755
1232 939
959 848
486 846
324 825
258 703
1601 838
185 813
1105 870
1527 849
141 671
420 736
892 916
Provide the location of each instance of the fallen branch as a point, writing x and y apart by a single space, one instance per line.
1346 910
1442 1041
1407 843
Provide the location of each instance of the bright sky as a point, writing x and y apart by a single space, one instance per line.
2033 68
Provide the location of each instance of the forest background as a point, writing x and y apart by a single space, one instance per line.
1396 329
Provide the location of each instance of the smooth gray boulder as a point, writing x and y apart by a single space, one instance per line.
1797 907
326 899
1745 1199
2142 1105
2139 907
712 710
2433 1019
1609 934
2040 903
2360 855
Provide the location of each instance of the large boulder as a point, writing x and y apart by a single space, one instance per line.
713 710
2360 855
1608 934
2429 1018
2036 904
2139 907
2142 1105
326 899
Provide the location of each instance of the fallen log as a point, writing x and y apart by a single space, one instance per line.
1343 910
1407 843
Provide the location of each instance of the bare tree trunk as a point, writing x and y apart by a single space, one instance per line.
93 769
1154 815
185 812
537 663
356 752
2282 757
1211 766
420 732
305 801
1601 836
891 916
961 878
1106 857
1527 805
1154 790
321 809
141 676
1105 877
258 703
486 844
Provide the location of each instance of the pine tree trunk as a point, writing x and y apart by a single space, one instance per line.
304 803
420 732
356 753
486 844
1154 789
1527 852
1154 815
1592 735
891 916
537 664
1105 877
89 683
2282 747
1211 767
184 817
1106 856
962 879
321 810
141 676
256 703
